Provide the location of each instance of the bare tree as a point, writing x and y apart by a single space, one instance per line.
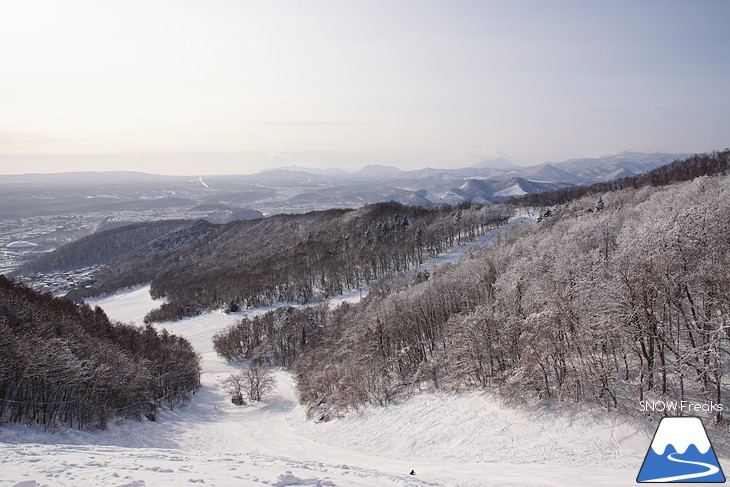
253 383
234 385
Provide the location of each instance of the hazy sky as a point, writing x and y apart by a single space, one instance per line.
215 86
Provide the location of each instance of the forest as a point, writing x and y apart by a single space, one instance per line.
310 257
103 247
612 298
63 364
304 258
295 258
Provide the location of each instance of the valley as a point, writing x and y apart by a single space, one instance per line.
212 442
350 244
52 210
499 345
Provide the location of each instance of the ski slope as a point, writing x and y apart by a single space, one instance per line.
448 439
470 439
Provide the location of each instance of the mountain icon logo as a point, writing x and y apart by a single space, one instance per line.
681 452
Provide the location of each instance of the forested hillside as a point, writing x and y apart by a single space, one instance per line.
138 265
63 364
296 258
613 298
103 247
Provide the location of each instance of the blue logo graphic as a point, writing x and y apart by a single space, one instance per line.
681 452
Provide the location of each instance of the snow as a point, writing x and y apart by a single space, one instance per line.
210 441
475 427
457 252
467 439
431 197
128 306
20 245
452 198
514 190
431 264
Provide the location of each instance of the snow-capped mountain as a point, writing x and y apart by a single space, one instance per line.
421 198
680 433
680 452
483 191
595 169
376 171
298 189
499 179
619 173
548 172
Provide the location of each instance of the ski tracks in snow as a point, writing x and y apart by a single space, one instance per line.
464 440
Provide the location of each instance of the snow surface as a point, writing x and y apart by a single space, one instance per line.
469 439
514 190
20 245
128 306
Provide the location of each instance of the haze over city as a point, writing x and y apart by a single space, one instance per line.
225 87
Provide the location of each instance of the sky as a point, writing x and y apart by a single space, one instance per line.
236 86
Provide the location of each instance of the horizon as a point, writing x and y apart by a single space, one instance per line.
238 87
298 167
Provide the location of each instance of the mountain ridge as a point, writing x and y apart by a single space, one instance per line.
296 189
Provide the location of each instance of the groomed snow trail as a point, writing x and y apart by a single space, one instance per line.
466 440
447 439
210 441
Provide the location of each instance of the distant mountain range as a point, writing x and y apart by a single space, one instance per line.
499 179
297 189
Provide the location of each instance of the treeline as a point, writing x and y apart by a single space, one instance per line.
63 364
708 164
304 258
